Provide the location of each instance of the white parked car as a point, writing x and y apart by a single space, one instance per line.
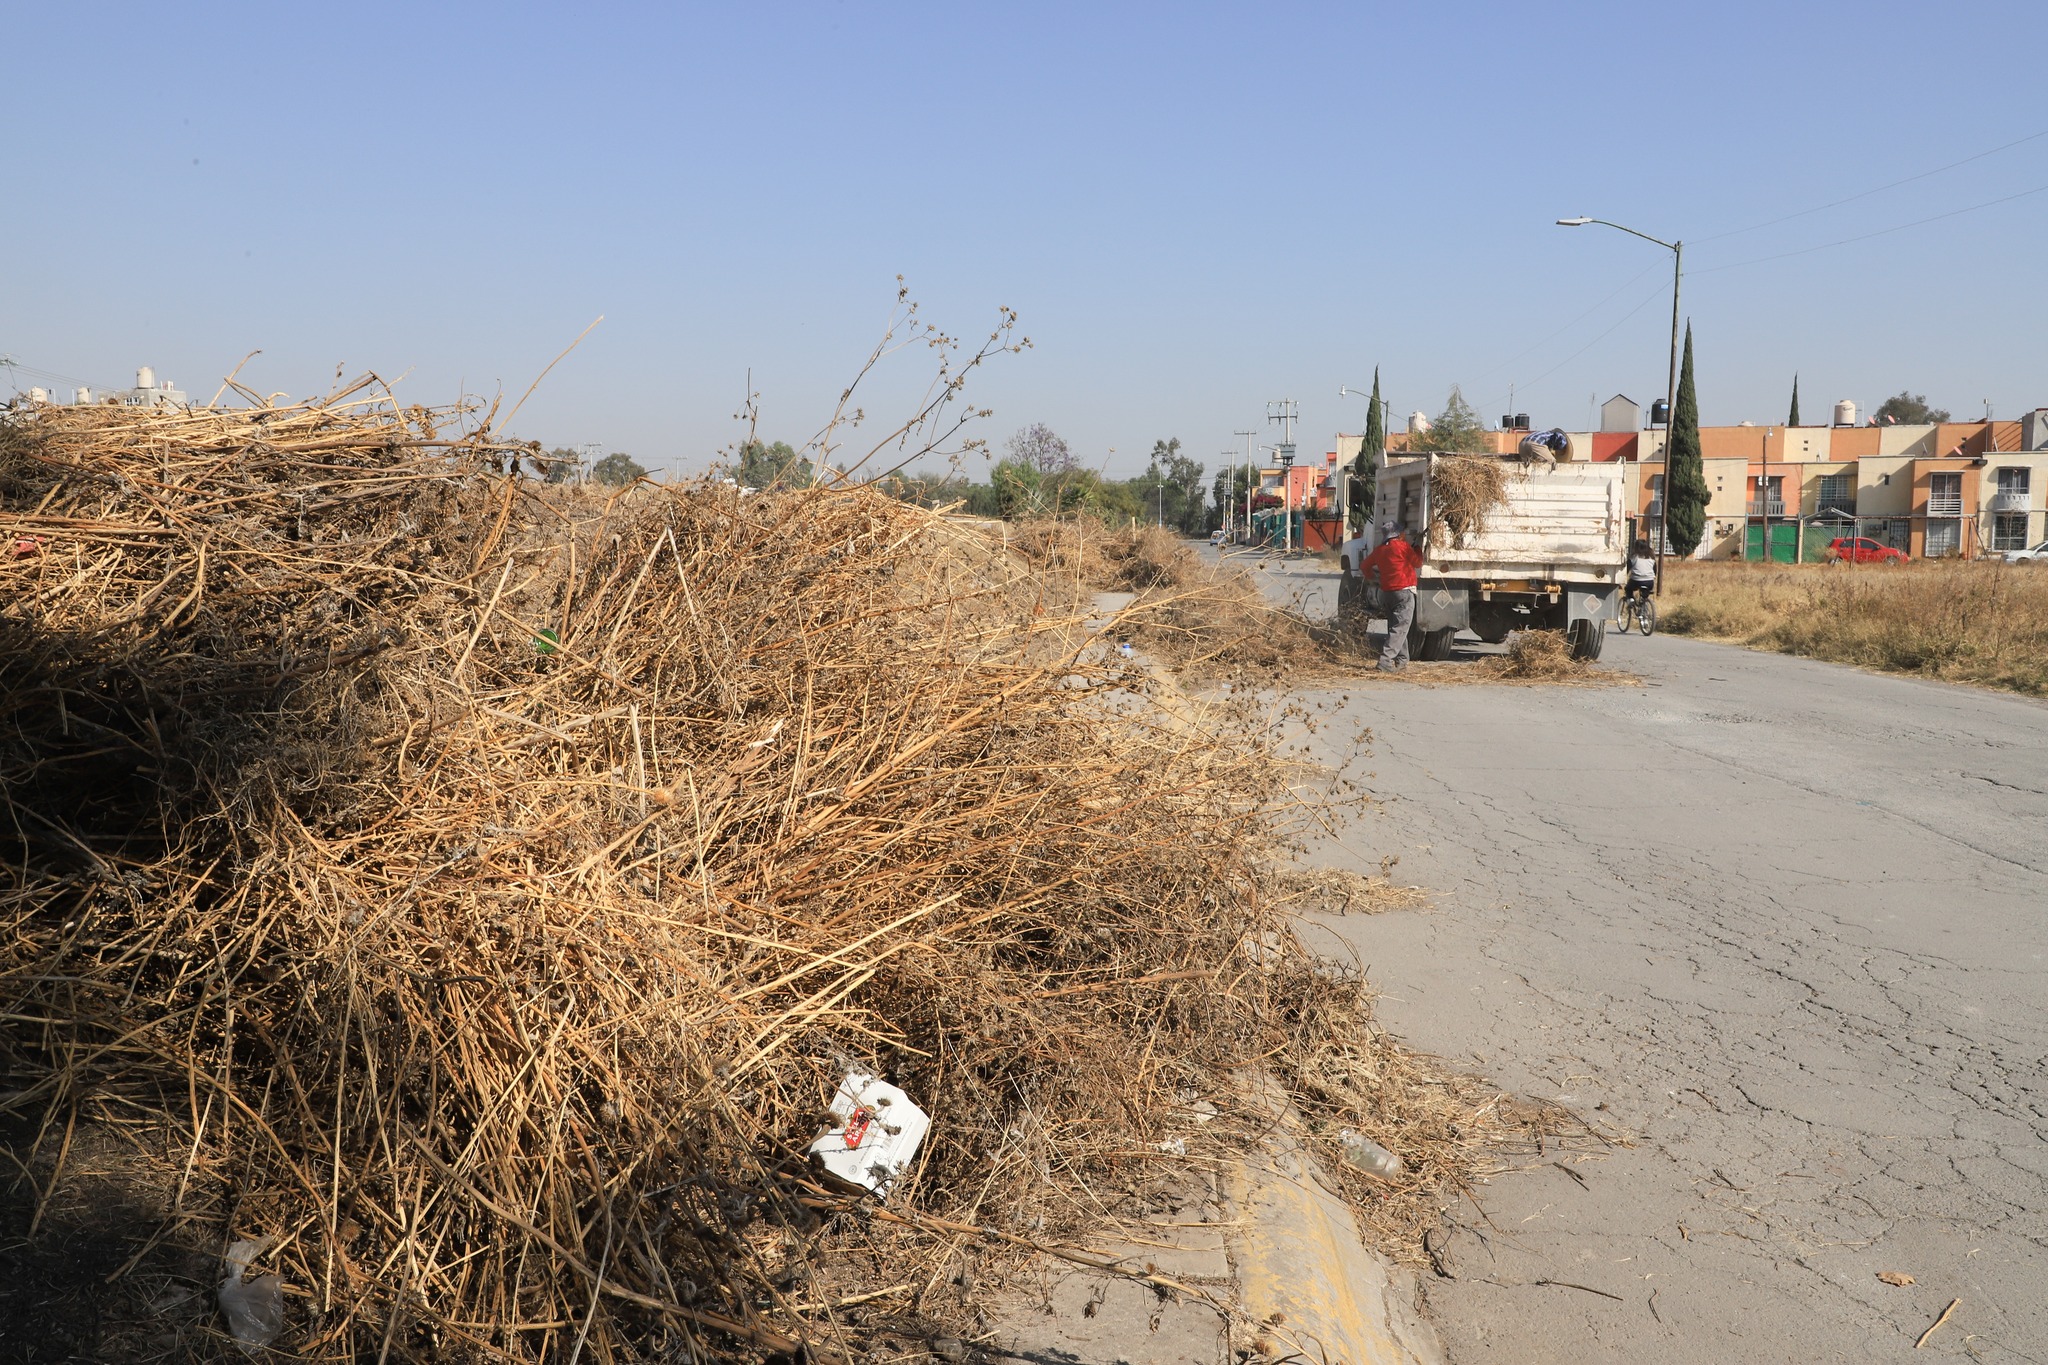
2037 555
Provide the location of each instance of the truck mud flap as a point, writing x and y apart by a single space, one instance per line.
1439 606
1591 602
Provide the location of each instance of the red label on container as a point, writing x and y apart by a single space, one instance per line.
857 1126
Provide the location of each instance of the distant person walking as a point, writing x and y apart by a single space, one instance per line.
1397 562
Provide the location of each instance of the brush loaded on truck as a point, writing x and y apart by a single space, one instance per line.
1552 555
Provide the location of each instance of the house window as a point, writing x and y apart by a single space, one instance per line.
1894 531
2014 480
1837 493
1944 496
2009 530
1944 536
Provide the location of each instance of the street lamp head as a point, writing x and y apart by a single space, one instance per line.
1573 222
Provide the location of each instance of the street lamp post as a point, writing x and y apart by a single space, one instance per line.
1386 424
1287 499
1677 250
1251 478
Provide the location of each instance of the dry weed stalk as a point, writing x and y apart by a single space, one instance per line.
485 886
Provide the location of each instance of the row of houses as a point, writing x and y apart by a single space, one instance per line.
1933 491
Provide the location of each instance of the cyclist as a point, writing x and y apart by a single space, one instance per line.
1642 570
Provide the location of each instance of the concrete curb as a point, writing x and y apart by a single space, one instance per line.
1302 1268
1271 1239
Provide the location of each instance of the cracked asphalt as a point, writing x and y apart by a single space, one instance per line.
1785 921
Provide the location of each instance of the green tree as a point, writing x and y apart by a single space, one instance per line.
1233 481
1455 430
560 465
1685 476
617 469
1908 410
1365 469
773 466
1793 420
1172 486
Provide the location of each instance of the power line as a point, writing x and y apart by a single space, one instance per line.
1656 293
1654 265
1881 232
1756 227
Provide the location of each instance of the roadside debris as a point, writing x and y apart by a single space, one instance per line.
876 1138
522 869
253 1306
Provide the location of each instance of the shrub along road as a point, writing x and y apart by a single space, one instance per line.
1784 921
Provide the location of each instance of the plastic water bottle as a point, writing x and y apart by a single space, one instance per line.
1368 1156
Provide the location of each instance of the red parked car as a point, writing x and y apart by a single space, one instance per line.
1862 550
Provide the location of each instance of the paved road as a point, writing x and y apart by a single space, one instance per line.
1788 922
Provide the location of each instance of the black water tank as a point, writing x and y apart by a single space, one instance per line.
1521 421
1660 413
1507 421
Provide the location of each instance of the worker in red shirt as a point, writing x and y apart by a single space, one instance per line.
1397 561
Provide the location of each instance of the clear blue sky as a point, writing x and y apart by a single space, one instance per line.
1194 208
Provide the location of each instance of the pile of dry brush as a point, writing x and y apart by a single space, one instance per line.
477 891
1205 619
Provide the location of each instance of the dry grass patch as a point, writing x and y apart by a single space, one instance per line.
1983 622
477 891
1340 891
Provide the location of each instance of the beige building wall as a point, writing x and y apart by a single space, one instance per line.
1728 489
1884 485
1803 445
1904 440
2035 462
1809 485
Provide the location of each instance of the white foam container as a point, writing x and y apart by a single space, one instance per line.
874 1137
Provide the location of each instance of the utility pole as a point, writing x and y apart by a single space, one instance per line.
1250 479
1284 411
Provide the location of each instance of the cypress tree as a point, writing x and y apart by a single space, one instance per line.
1365 469
1685 477
1793 420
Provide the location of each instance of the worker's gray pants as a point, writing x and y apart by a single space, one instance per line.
1400 615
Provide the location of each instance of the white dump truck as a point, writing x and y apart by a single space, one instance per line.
1552 556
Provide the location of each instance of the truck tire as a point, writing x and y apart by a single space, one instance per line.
1431 646
1491 626
1586 638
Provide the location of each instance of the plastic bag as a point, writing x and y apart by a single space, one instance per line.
254 1307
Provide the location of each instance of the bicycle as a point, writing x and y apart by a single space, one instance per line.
1639 612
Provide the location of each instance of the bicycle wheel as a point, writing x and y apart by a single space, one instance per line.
1646 616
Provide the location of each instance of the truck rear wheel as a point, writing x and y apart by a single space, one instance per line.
1586 638
1431 646
1491 626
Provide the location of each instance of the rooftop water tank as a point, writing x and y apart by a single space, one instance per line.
1845 413
81 396
145 378
1521 421
1418 422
